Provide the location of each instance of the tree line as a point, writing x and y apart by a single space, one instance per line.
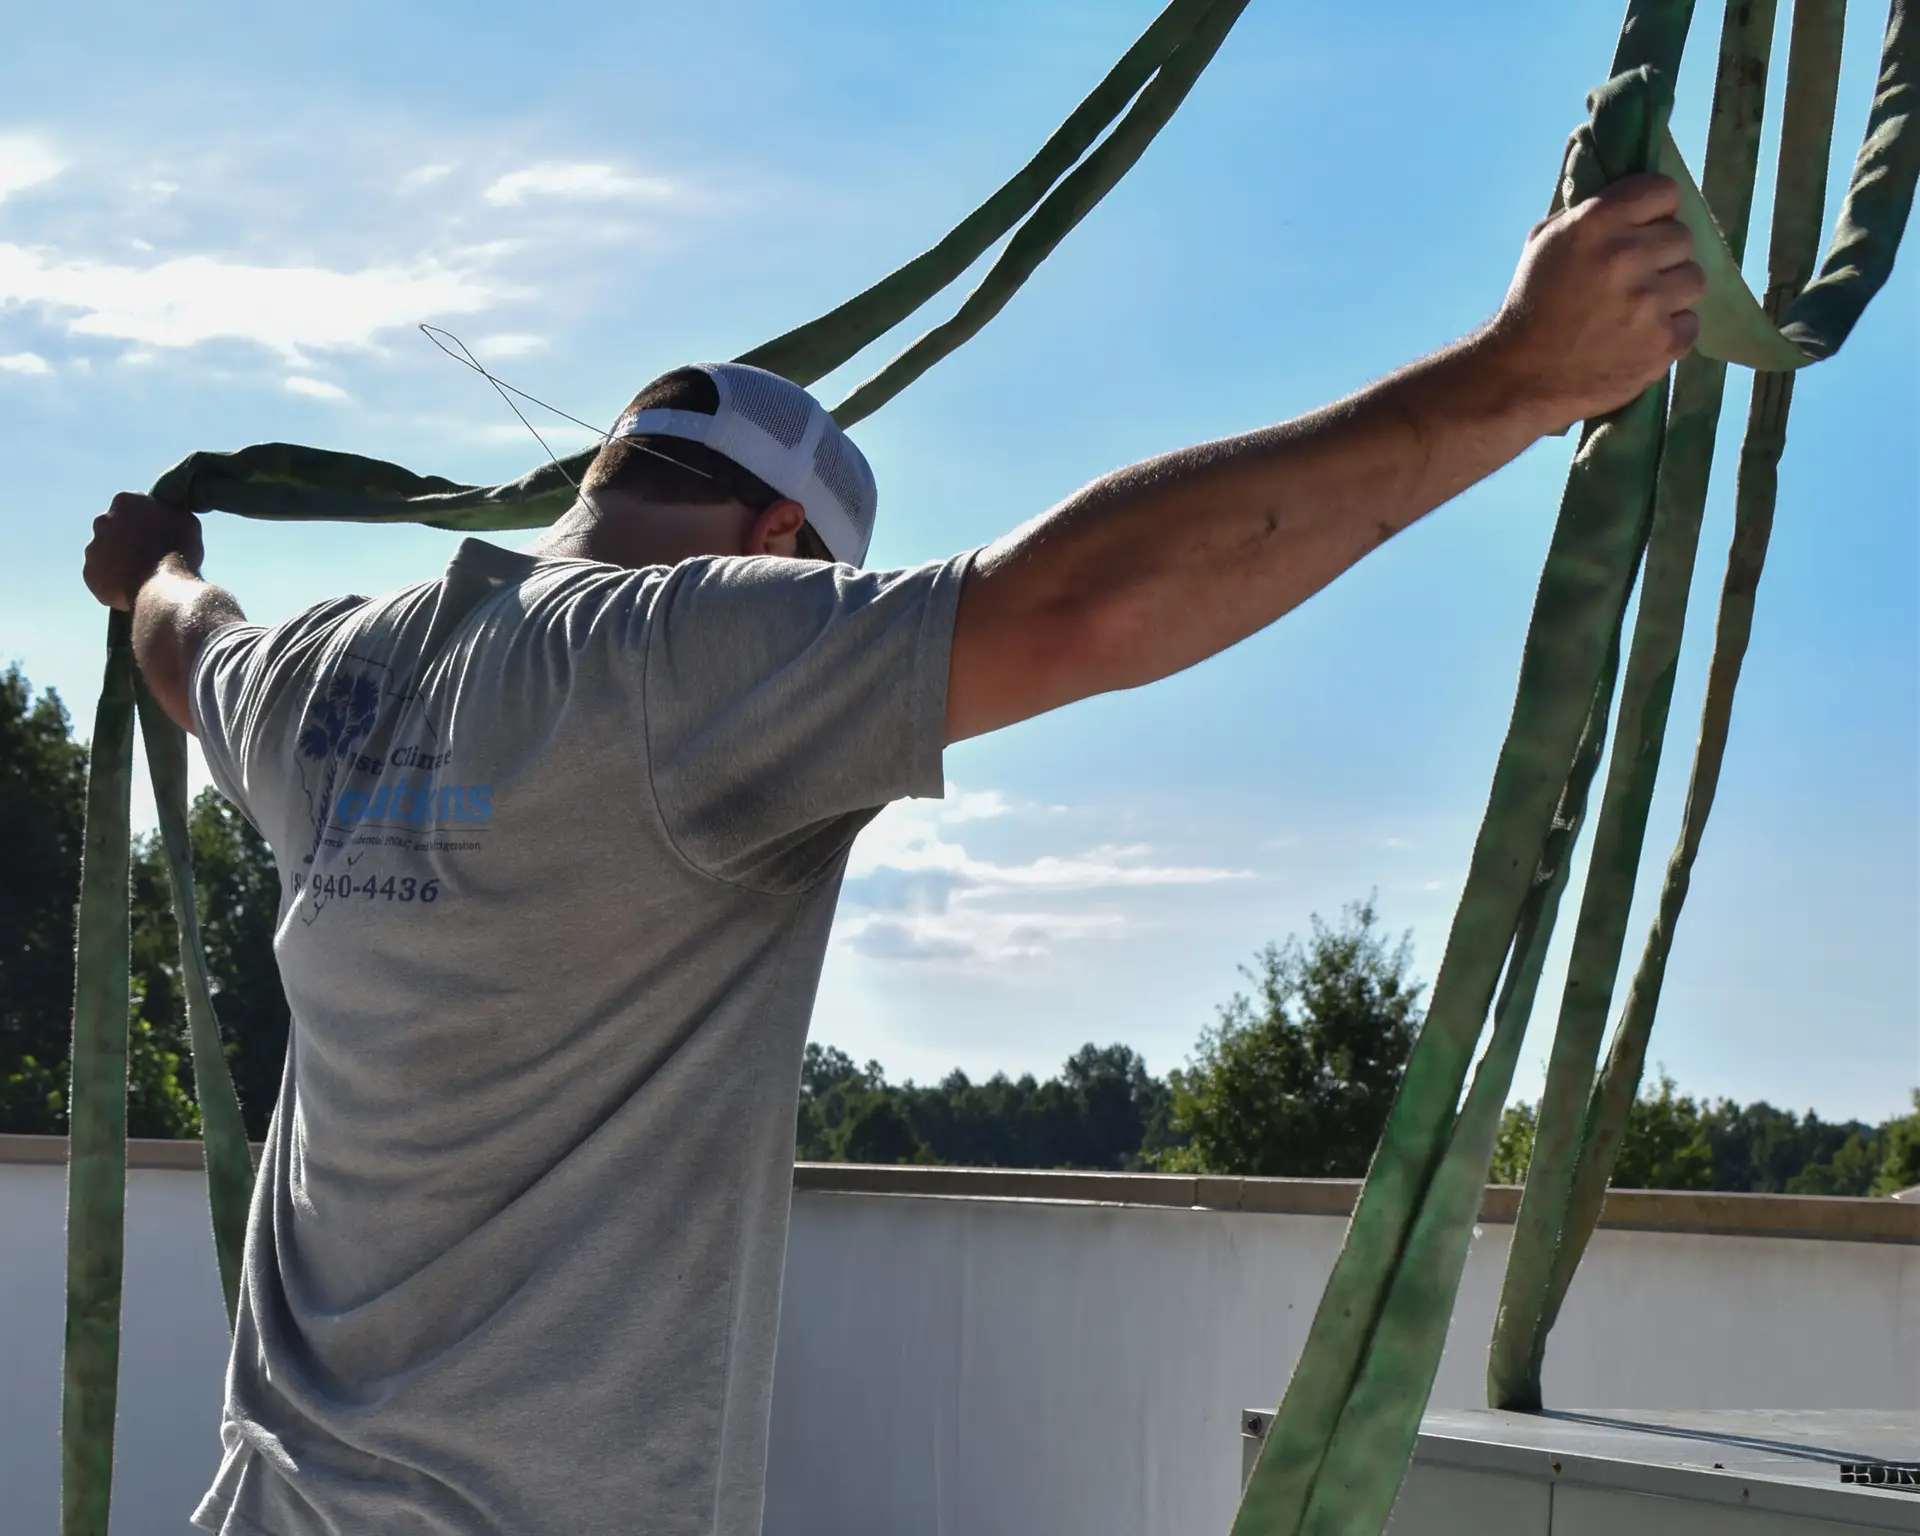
1294 1076
43 778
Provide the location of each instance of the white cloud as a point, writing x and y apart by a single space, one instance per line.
885 939
972 936
319 389
913 893
508 344
26 160
194 299
577 180
906 838
971 804
24 362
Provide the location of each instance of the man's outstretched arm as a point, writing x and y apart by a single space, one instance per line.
145 559
1155 567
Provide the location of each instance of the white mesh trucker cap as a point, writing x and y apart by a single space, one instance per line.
773 428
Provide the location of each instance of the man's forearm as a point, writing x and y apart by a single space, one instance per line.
174 613
1162 564
1153 568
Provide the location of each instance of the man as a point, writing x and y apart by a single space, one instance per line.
560 835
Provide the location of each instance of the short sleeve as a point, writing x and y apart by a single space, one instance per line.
786 703
235 680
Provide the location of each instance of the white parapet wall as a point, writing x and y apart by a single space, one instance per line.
964 1364
972 1352
173 1343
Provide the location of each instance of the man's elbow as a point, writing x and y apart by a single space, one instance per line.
177 703
167 674
165 652
172 622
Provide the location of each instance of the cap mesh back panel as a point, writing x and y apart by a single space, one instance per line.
842 471
779 411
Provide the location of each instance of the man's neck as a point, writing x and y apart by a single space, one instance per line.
571 538
634 536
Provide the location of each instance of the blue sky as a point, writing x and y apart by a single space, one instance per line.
220 223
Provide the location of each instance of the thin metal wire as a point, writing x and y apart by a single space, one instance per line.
507 391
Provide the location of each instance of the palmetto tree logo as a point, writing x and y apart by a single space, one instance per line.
344 716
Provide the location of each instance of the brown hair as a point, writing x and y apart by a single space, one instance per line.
679 471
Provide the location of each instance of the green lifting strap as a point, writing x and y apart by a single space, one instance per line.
813 350
285 482
290 483
1733 148
1734 326
1339 1444
1581 1121
97 1105
1821 313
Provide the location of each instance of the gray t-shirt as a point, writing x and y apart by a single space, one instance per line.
559 846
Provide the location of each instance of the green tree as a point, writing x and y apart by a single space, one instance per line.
43 788
159 1078
237 893
33 1097
1298 1078
1120 1113
238 889
831 1086
850 1114
1850 1171
160 1099
1665 1145
877 1131
1900 1141
1104 1110
42 823
1003 1122
1758 1149
1513 1144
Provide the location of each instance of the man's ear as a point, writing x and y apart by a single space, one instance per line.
775 530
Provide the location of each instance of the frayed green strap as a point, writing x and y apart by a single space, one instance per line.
223 1133
1341 1439
97 1107
1733 147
